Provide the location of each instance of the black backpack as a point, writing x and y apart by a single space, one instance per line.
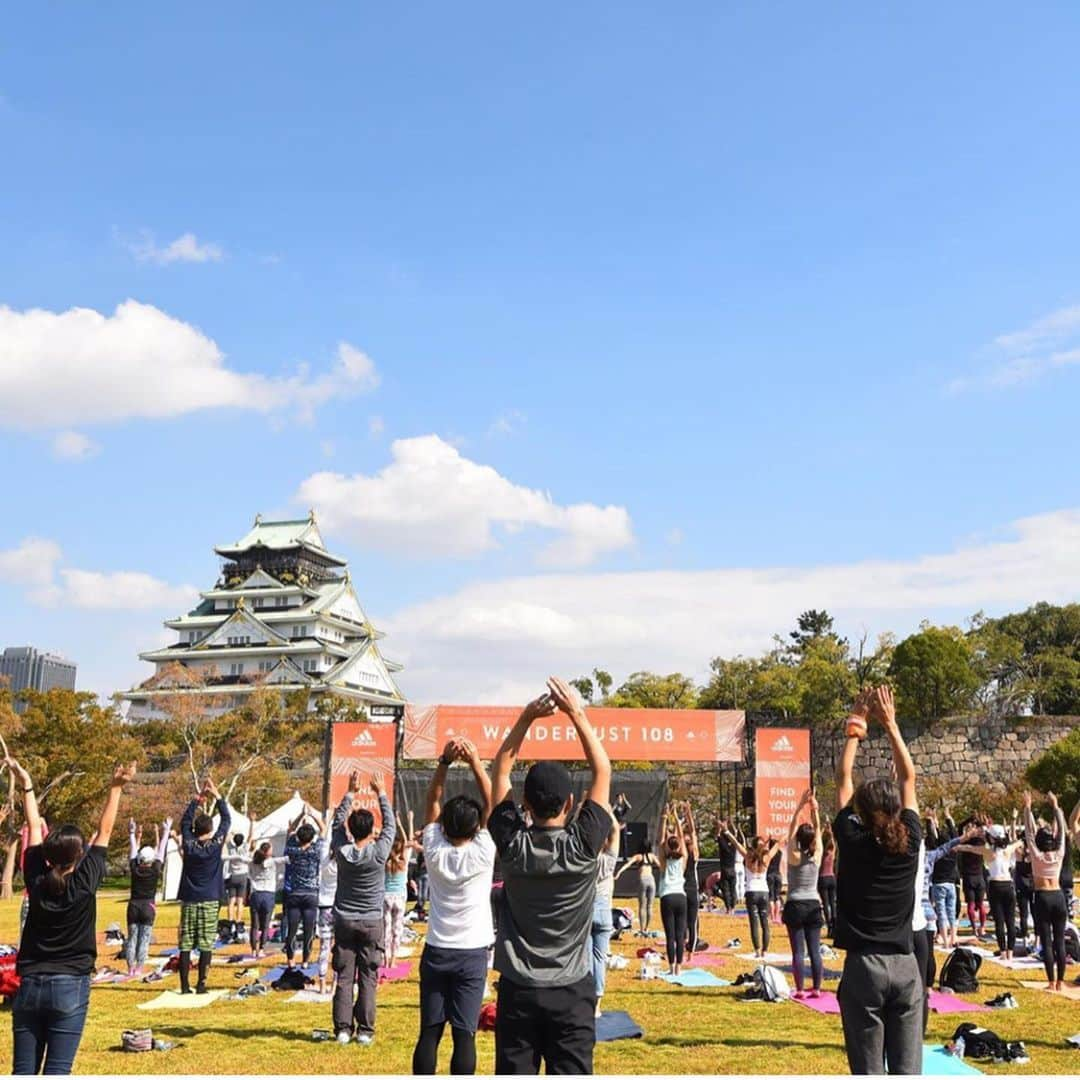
960 971
292 979
981 1044
1072 943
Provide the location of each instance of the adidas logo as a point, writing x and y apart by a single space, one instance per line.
782 744
364 738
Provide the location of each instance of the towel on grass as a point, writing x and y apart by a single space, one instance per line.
170 999
616 1025
950 1003
935 1062
310 997
827 1003
695 977
1070 992
768 958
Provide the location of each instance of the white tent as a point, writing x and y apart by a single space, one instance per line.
275 826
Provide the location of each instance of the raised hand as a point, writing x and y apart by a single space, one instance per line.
354 781
450 751
467 750
565 696
376 784
1027 800
861 706
19 771
540 707
1053 799
884 705
123 774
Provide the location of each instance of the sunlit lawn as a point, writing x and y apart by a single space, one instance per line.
686 1031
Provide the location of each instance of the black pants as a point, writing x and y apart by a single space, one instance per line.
727 890
693 903
1050 918
262 910
300 908
827 891
673 916
552 1024
757 908
1003 908
358 952
924 957
1025 899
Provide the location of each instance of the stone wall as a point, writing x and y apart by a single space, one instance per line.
973 750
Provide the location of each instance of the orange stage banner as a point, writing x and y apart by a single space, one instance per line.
369 748
781 775
627 734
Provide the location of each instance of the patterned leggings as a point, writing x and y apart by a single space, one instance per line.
393 923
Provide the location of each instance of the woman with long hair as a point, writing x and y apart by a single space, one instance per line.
58 951
644 861
263 883
878 834
146 864
757 853
690 880
602 928
802 911
237 856
397 892
303 852
1050 909
998 852
827 880
672 889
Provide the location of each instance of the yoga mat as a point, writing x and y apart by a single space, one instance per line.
616 1025
696 977
396 973
1018 963
935 1062
978 950
1070 992
706 960
310 970
827 972
310 997
827 1003
170 999
950 1003
768 958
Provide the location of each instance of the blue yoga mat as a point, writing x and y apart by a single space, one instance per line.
696 977
935 1062
616 1025
311 970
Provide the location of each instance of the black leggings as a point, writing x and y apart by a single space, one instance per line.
826 887
1003 908
924 957
692 903
425 1059
806 940
262 908
1025 900
1050 918
300 908
727 890
757 908
673 916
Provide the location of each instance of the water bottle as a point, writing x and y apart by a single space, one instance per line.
958 1047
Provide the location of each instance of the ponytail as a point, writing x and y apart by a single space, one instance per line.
891 833
55 882
62 850
877 804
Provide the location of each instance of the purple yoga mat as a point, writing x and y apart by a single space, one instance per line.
827 1003
949 1003
398 971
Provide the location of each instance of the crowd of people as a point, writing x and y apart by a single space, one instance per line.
880 880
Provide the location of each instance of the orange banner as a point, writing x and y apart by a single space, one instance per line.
781 775
369 748
627 734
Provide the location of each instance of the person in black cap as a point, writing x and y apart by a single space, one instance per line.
547 995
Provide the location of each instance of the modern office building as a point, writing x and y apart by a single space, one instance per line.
26 668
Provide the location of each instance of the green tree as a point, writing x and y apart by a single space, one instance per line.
644 690
604 682
811 627
933 673
826 682
584 686
1058 770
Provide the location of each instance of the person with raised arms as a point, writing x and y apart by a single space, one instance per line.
802 914
1046 845
58 950
358 909
546 1009
460 857
146 864
202 881
878 834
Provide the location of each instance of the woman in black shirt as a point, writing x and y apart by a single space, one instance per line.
146 864
59 946
878 834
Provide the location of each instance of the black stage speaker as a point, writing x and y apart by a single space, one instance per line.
634 839
748 797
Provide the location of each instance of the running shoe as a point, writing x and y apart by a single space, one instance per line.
1003 1001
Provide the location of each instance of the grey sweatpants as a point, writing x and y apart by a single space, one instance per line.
881 1006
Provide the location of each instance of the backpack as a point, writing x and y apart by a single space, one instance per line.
981 1044
772 983
620 919
292 979
1072 943
960 971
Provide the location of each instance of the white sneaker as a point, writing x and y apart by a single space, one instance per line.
344 1038
365 1040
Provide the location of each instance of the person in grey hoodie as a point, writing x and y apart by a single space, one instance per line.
358 908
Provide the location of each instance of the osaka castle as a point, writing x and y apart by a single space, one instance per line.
283 614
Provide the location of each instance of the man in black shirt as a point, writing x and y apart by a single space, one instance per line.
878 834
727 852
547 993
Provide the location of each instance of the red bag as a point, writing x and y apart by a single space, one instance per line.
9 978
487 1017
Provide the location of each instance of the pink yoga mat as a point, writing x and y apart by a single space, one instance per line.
949 1003
827 1003
398 971
705 960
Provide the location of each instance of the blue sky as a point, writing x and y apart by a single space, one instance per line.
782 288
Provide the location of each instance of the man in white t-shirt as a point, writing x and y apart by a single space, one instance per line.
460 857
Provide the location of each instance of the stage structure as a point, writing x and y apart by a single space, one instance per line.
283 614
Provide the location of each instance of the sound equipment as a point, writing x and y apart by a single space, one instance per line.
748 797
634 839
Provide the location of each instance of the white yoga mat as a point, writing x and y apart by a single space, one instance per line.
171 999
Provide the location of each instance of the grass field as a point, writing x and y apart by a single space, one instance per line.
686 1031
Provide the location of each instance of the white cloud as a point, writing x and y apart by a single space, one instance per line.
78 367
376 426
185 248
1048 344
508 423
432 501
495 641
73 446
31 564
121 590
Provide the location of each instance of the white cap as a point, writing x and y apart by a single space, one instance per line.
146 855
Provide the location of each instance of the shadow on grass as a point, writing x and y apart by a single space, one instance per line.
265 1032
776 1044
